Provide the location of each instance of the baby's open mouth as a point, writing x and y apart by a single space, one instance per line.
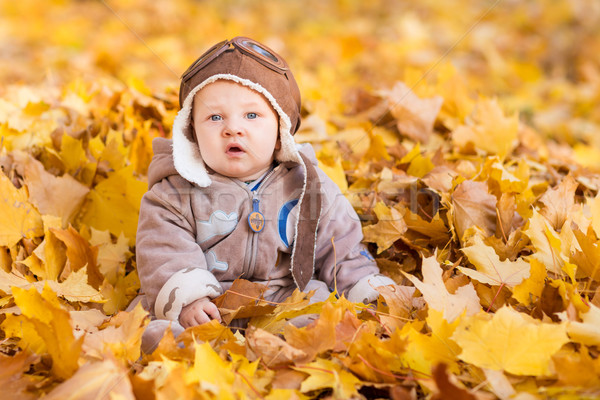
234 149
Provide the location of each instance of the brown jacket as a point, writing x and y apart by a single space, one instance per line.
194 241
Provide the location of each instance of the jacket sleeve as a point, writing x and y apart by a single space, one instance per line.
171 265
340 257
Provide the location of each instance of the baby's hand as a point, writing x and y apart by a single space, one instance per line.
198 312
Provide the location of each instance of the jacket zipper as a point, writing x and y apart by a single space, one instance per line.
252 248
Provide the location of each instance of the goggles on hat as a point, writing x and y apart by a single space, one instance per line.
247 46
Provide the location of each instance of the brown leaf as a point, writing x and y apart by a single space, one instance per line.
242 300
52 195
508 218
80 254
414 116
13 379
94 380
399 302
473 206
587 260
272 350
448 389
559 201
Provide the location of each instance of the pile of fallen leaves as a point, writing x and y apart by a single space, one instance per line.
476 178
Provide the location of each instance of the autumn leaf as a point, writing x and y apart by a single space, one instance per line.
588 259
333 167
18 218
509 341
272 349
121 336
436 346
546 242
389 228
52 195
559 202
531 288
80 254
49 322
473 206
577 368
436 295
114 203
447 388
488 129
325 374
588 330
414 116
490 269
96 380
210 370
13 377
111 256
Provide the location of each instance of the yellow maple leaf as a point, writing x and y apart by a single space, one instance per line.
321 335
18 218
515 180
531 288
437 296
114 204
51 252
559 202
473 205
587 331
122 336
59 196
438 347
389 227
546 242
490 269
80 254
119 294
334 169
588 259
52 324
414 116
375 359
509 341
74 288
325 374
14 378
75 159
111 256
577 369
105 379
376 150
595 210
489 129
210 370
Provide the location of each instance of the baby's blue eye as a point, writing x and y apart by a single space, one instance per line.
251 115
215 118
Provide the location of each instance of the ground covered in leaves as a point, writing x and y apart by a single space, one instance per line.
465 134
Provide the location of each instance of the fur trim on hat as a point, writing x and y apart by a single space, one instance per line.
186 154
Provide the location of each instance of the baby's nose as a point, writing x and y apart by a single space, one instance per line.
234 127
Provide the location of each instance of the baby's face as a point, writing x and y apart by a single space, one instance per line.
236 129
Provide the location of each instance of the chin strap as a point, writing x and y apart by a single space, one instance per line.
303 257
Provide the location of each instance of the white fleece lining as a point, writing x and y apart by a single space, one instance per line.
186 154
183 288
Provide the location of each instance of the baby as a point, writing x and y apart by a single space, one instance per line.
233 196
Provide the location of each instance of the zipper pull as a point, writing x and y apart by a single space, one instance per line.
256 219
